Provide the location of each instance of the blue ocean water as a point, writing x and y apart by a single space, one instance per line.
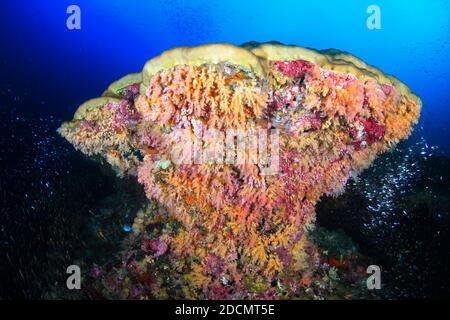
48 69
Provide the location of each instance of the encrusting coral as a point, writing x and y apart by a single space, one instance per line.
231 227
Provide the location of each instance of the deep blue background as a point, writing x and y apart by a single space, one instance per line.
46 69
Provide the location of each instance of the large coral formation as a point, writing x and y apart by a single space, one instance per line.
234 228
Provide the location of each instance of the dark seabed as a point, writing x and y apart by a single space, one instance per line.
47 191
60 207
398 214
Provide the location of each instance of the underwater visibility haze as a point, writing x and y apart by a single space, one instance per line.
224 150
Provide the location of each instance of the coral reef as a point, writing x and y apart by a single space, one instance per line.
230 222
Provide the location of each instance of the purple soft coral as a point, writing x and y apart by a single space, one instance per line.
124 114
156 247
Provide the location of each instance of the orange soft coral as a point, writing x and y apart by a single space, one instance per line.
236 222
